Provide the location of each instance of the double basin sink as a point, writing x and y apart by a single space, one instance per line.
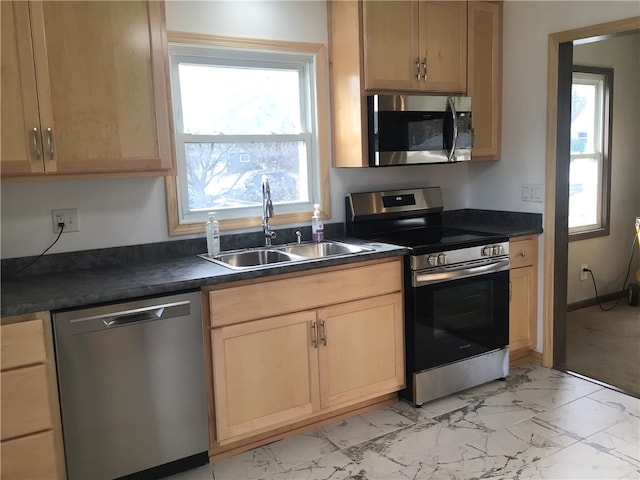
289 253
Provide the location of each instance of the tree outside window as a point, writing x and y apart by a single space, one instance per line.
241 113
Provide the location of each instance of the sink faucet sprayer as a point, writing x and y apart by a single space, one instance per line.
267 212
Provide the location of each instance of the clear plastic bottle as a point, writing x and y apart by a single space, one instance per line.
213 235
317 227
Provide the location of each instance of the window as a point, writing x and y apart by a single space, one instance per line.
244 109
590 160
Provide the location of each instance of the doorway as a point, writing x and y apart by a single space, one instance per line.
557 174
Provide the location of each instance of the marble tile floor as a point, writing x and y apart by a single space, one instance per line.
538 424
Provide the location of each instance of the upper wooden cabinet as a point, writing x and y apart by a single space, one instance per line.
415 46
379 46
484 68
84 89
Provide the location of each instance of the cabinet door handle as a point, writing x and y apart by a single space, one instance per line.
314 335
510 290
418 76
323 336
424 67
36 143
522 254
50 143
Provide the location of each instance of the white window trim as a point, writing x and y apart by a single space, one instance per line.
603 79
598 224
178 226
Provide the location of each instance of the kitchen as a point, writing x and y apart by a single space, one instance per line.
137 215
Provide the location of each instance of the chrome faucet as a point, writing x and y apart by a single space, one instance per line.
267 212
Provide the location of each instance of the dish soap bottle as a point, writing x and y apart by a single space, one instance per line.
213 235
317 227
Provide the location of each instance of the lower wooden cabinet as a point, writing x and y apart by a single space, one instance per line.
361 349
275 371
523 311
265 374
30 458
30 430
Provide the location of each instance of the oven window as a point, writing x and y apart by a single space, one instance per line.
458 319
463 311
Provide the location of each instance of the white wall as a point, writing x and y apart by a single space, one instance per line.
132 211
527 25
608 257
117 212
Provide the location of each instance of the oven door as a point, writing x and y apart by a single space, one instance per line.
456 319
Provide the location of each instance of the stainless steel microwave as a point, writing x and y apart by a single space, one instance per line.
418 129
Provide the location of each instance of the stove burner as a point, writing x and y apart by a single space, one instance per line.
434 239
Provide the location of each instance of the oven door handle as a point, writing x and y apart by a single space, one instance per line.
420 279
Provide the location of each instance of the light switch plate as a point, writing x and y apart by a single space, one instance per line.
532 192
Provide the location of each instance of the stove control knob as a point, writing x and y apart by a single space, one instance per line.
497 249
442 259
487 251
432 260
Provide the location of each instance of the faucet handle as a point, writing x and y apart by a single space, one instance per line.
299 236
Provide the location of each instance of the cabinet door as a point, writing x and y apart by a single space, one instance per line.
25 401
361 349
522 311
390 40
20 126
264 374
485 78
30 457
101 86
443 43
23 344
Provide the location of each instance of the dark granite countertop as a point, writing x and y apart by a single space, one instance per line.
78 279
97 285
510 224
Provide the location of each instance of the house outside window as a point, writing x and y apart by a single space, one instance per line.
590 158
243 112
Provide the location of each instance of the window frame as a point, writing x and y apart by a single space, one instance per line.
602 228
319 169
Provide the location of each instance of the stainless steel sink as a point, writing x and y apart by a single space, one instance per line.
322 249
253 258
290 253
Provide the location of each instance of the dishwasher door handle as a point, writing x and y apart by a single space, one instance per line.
149 314
125 317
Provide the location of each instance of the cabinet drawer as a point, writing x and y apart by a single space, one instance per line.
25 401
22 344
523 251
293 294
29 457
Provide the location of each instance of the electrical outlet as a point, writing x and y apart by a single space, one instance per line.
68 216
583 272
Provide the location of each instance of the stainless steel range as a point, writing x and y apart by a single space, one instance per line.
456 290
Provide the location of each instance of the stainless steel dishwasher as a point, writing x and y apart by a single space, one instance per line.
132 390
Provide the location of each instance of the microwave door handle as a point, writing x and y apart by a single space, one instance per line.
454 141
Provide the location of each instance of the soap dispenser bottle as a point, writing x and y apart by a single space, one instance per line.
317 227
213 235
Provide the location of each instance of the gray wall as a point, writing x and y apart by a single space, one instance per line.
608 257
